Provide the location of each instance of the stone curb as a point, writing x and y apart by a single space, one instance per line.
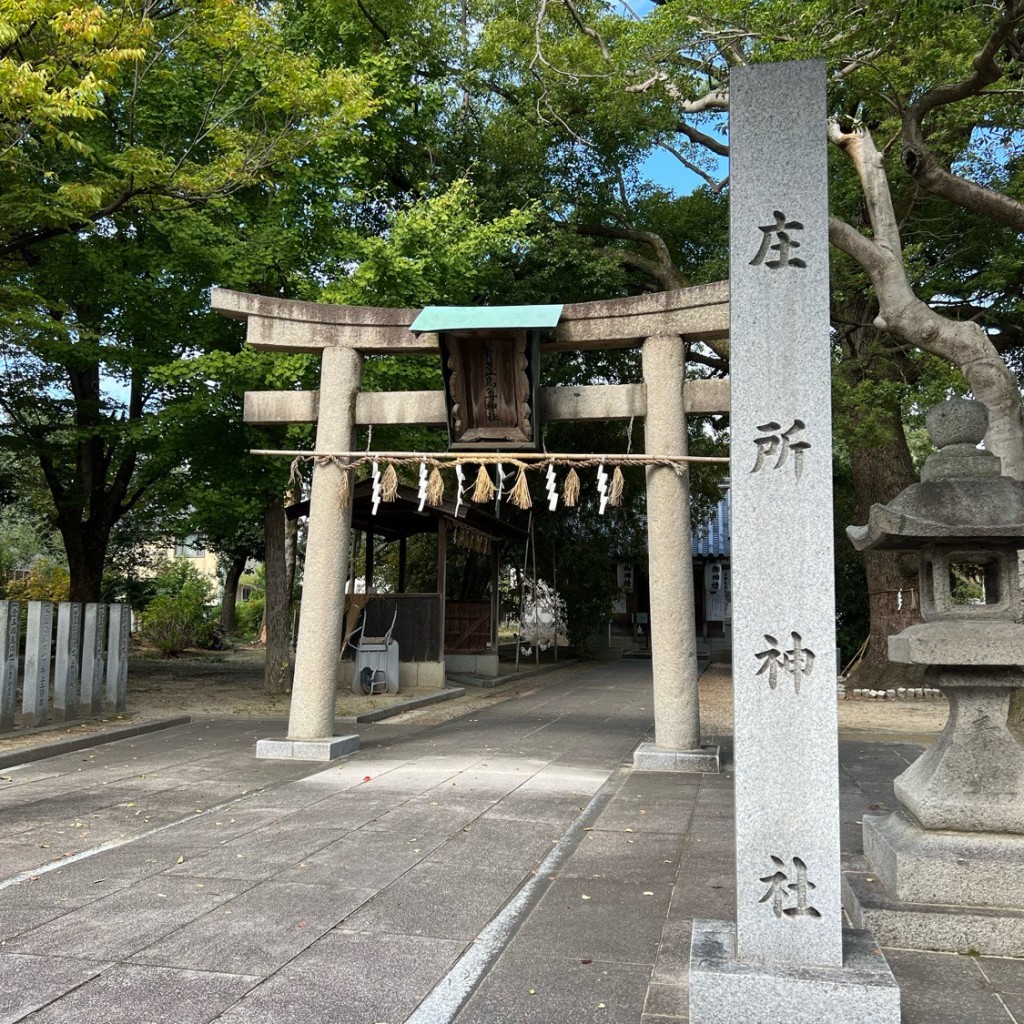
45 750
407 705
510 677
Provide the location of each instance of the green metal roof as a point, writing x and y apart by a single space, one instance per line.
480 318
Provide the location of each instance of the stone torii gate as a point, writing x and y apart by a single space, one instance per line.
659 324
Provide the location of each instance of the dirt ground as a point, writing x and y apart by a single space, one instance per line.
231 683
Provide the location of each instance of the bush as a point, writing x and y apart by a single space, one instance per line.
172 625
177 618
46 581
249 618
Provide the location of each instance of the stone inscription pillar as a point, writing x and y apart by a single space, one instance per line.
94 636
323 590
10 634
38 637
68 662
676 744
117 656
784 958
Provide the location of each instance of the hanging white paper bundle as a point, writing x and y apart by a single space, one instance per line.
375 488
552 488
422 492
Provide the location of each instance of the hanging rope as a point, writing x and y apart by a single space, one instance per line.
484 490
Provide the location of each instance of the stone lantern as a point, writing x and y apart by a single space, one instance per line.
947 871
490 359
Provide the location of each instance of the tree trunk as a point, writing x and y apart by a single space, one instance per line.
277 671
227 605
86 549
881 469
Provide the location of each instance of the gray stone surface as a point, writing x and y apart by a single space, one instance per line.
349 976
781 476
311 716
725 990
546 989
66 693
650 757
986 644
972 778
94 648
10 637
28 982
596 919
673 645
36 684
258 932
957 421
954 929
126 921
123 789
961 868
946 989
117 657
445 901
164 997
309 749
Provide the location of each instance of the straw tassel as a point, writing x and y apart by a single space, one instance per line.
389 483
571 489
344 488
520 494
484 489
435 487
615 495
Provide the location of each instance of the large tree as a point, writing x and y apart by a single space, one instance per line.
148 151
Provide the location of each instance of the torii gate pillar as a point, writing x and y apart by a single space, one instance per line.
676 745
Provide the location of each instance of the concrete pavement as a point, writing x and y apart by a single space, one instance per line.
505 866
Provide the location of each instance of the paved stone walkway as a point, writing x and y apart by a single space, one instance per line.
506 866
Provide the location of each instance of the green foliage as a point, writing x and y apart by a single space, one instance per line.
438 250
177 617
46 581
249 618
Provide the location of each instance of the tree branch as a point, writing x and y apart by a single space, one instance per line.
918 158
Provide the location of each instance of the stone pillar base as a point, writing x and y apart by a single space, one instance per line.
724 990
326 749
649 757
958 892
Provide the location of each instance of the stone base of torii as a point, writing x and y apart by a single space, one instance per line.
662 325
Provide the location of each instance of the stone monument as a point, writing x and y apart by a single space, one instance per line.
36 688
787 957
68 661
947 871
10 636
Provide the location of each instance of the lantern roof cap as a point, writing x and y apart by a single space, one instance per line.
961 496
483 318
988 511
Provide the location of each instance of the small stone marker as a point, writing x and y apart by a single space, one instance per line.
10 634
93 648
117 656
784 958
38 637
68 662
